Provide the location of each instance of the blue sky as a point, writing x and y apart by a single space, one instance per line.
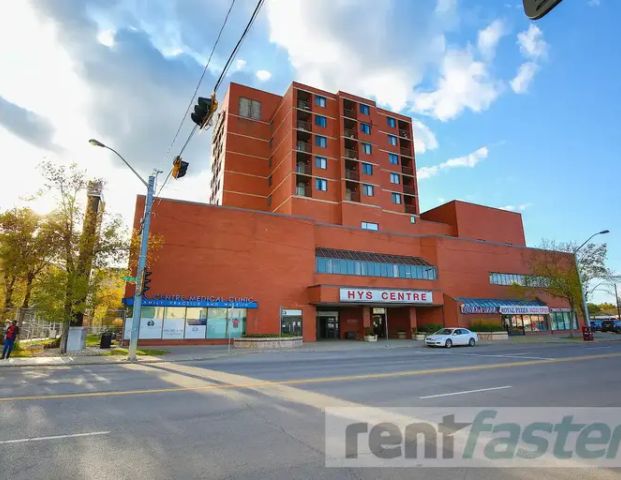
508 112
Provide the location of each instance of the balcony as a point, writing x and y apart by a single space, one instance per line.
352 194
404 133
303 146
349 109
352 174
410 208
304 125
409 189
407 151
350 133
303 186
304 168
407 169
351 153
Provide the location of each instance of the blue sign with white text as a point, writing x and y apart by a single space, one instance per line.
203 302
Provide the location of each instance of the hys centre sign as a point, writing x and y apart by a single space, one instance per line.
377 295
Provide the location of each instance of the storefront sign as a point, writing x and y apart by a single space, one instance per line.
560 310
478 309
200 301
376 295
524 310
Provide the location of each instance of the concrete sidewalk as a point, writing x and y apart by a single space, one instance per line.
213 352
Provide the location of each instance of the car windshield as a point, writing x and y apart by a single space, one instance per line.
444 331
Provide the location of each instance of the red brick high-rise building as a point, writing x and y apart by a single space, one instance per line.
314 228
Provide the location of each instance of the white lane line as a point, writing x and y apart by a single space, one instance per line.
465 392
53 437
508 356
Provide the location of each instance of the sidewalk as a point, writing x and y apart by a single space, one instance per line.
213 352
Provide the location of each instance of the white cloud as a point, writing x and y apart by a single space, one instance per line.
106 37
489 37
467 161
525 75
424 138
264 75
517 208
531 42
464 83
534 49
239 64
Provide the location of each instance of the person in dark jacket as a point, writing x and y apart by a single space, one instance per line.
10 335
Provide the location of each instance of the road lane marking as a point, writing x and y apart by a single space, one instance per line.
52 437
451 394
312 380
507 356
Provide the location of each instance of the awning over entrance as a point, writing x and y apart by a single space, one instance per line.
503 306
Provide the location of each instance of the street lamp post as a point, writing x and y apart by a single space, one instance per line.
585 308
142 256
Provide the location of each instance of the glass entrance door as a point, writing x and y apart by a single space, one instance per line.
327 327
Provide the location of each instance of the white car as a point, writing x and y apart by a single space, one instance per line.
448 337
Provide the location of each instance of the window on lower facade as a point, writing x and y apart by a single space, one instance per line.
394 158
392 140
396 198
394 178
365 128
321 162
518 279
367 169
367 149
563 320
321 142
369 191
321 184
249 108
369 226
321 121
337 266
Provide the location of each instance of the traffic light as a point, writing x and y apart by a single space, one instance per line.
179 167
536 9
146 281
203 110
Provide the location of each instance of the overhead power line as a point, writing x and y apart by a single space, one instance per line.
254 15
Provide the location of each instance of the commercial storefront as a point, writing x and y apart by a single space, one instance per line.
520 317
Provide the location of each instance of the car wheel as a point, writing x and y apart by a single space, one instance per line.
472 342
448 344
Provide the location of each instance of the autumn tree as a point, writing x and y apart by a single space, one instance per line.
28 243
109 245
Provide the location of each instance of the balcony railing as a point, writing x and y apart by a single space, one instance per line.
404 133
351 153
304 104
410 208
303 191
407 170
407 151
349 112
304 125
350 133
352 195
407 189
352 174
303 168
304 146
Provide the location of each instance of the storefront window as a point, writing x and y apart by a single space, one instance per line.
195 322
291 322
521 324
174 323
563 320
216 323
237 322
151 322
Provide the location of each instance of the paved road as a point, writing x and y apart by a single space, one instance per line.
261 416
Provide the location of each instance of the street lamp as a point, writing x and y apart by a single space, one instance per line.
585 308
142 256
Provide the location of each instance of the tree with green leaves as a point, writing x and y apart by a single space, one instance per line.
562 272
109 244
28 244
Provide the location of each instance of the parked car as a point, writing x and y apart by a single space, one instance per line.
448 337
596 325
611 326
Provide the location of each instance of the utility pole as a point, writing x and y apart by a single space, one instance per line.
142 262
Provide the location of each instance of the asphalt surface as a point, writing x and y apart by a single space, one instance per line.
261 416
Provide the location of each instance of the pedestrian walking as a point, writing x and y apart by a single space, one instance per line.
10 335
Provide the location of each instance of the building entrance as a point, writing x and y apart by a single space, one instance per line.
327 325
378 322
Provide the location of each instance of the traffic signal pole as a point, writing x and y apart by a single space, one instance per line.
142 262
